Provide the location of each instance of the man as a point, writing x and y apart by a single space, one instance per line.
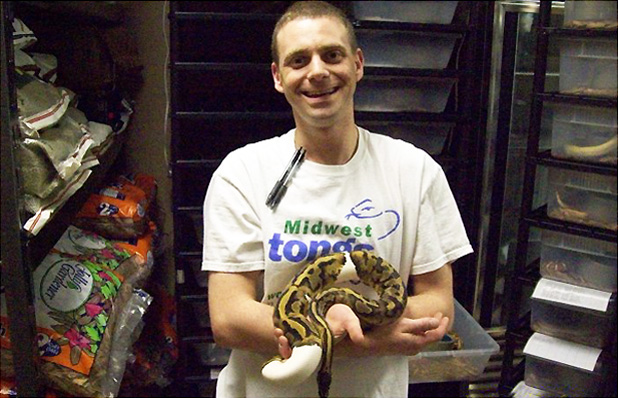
354 189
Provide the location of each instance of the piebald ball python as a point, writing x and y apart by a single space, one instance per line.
302 306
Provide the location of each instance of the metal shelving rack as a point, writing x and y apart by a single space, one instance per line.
22 252
16 269
526 273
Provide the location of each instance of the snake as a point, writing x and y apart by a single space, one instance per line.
301 308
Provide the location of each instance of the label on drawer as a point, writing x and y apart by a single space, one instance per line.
578 296
562 351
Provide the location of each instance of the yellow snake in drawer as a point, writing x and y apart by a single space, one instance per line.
301 308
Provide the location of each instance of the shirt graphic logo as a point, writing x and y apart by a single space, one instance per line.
366 210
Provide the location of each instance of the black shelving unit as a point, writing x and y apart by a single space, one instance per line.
16 267
222 98
22 252
525 272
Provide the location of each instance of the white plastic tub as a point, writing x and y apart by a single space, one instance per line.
582 198
588 67
399 49
573 313
431 137
578 260
456 365
402 94
590 14
564 368
438 12
584 133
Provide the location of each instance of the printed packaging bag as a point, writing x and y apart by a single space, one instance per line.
73 302
121 209
111 253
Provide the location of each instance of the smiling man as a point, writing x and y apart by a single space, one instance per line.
353 190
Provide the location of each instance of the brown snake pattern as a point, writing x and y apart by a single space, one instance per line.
301 308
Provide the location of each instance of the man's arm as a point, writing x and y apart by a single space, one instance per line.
433 293
237 318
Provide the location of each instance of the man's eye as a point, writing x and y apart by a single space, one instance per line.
333 56
297 62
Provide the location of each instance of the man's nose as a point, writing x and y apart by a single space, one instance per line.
317 68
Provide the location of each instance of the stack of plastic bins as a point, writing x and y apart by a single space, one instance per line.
573 306
572 325
412 50
416 50
588 66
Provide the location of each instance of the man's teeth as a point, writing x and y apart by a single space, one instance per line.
321 93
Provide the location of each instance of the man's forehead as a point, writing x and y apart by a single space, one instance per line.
312 33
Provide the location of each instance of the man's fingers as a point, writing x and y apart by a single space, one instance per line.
284 347
421 326
354 330
341 321
439 331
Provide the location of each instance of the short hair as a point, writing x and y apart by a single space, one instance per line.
311 9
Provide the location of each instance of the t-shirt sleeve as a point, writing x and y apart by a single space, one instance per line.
232 233
441 236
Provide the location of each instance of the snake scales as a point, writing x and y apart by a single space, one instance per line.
301 308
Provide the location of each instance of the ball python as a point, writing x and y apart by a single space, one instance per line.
302 306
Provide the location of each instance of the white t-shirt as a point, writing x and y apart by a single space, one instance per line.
391 197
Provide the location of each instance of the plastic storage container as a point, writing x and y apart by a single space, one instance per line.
590 14
431 137
402 94
454 365
578 260
573 313
584 133
438 12
588 67
522 390
581 197
406 49
565 368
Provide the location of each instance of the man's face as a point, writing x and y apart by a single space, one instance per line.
317 69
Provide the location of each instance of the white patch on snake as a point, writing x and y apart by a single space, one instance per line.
348 272
297 368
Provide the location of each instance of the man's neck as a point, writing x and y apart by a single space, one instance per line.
333 145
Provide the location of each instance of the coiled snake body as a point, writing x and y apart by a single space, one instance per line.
301 308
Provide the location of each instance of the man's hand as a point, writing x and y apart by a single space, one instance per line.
341 321
405 336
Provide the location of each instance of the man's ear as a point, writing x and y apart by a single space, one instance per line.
274 69
360 63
